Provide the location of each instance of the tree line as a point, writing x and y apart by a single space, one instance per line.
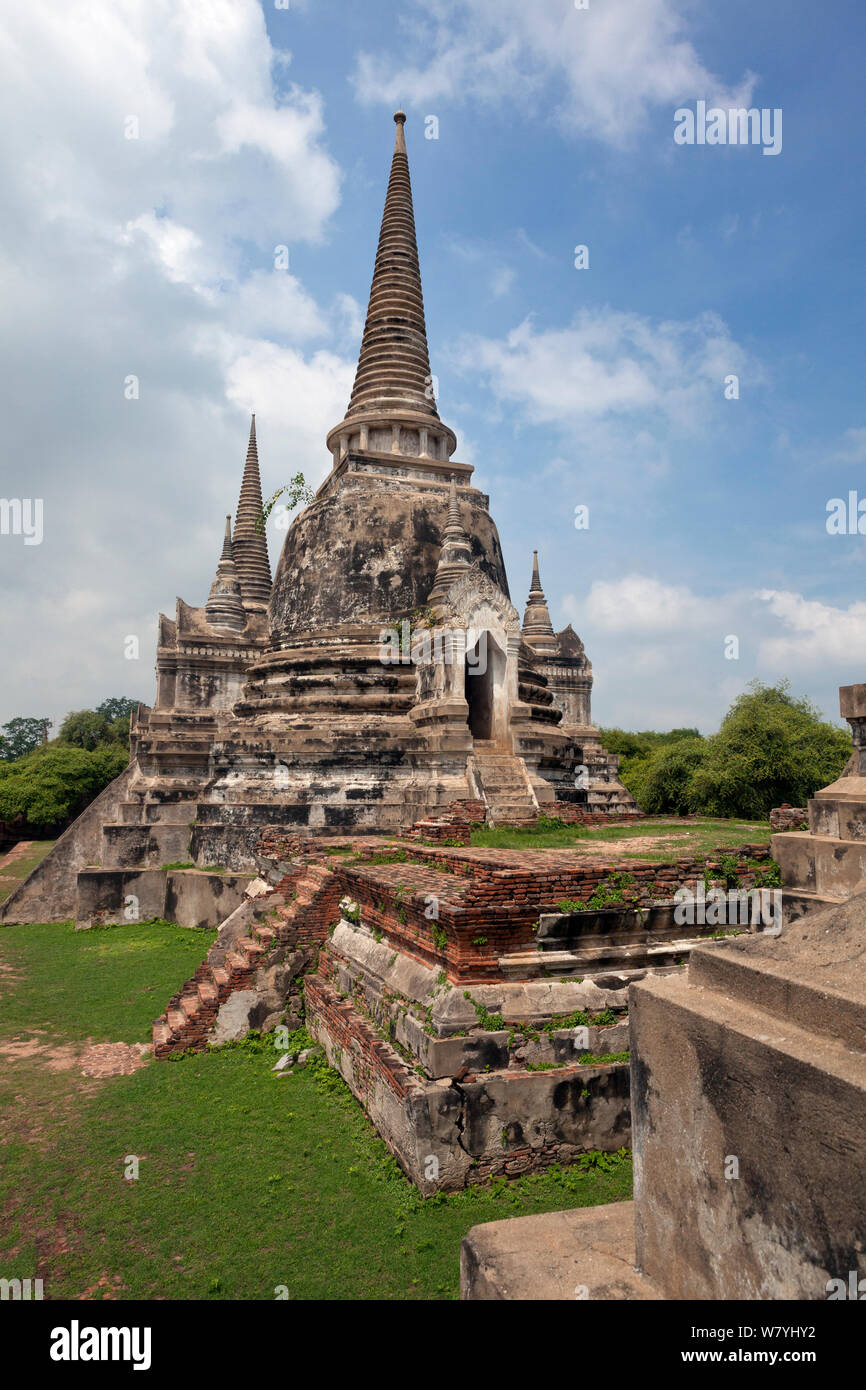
45 783
770 748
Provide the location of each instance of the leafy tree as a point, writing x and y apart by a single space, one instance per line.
21 736
108 723
118 707
770 748
47 788
85 729
661 783
636 752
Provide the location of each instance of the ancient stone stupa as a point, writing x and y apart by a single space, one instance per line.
384 672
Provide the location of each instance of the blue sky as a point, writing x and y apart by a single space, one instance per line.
602 387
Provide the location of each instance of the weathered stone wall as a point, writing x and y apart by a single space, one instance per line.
186 896
449 1134
749 1109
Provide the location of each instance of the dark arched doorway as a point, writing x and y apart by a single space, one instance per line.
485 688
479 692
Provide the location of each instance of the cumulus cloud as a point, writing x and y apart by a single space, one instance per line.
640 605
608 363
598 71
153 157
817 633
663 656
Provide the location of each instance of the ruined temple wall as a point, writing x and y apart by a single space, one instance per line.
201 686
449 1134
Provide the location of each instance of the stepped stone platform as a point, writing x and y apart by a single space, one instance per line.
483 1026
757 1053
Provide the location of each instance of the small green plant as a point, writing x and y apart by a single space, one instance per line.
610 892
728 870
589 1059
479 941
440 939
179 864
491 1023
385 856
580 1019
768 876
426 617
297 491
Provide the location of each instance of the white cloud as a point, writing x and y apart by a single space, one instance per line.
501 281
294 395
641 605
818 634
659 650
609 363
150 256
598 71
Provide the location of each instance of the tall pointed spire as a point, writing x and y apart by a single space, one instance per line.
249 545
394 366
392 399
456 554
224 607
537 628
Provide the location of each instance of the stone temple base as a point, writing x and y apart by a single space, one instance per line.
748 1080
582 1254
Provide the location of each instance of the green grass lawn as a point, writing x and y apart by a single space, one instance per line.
246 1181
677 837
18 870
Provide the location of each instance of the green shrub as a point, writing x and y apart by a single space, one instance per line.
52 785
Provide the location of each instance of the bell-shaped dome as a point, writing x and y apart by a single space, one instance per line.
366 550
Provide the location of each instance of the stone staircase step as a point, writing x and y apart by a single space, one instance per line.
237 962
191 1012
619 960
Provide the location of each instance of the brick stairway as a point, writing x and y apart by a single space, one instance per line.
190 1014
503 780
